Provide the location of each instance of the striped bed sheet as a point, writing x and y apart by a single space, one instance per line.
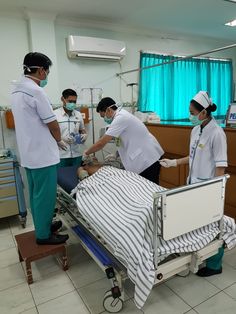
119 206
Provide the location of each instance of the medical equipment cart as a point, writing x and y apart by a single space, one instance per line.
12 200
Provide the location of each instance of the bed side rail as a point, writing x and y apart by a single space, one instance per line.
183 209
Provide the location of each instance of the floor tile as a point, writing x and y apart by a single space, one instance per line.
30 311
129 288
226 279
16 226
230 258
6 241
9 257
11 276
4 226
165 300
43 267
192 289
76 254
231 291
68 303
128 308
93 295
218 304
85 273
51 287
16 300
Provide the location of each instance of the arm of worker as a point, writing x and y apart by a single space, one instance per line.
98 145
220 171
56 133
219 148
55 130
167 163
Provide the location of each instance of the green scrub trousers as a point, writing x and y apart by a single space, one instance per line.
67 162
215 262
42 190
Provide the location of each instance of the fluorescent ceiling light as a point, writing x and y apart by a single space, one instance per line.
232 23
234 1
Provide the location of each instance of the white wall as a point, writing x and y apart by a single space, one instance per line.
77 73
15 43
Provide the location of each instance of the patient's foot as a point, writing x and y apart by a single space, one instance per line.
207 272
54 239
55 226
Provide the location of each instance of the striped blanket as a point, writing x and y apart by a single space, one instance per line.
119 205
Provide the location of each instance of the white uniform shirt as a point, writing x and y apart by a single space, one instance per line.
138 149
208 150
70 124
32 111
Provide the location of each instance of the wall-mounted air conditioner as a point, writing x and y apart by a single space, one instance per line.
95 48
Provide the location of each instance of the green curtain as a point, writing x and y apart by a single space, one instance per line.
168 89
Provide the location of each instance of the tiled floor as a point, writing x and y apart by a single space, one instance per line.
80 290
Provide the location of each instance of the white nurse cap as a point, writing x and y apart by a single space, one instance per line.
203 99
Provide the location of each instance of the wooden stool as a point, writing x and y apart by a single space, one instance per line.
30 251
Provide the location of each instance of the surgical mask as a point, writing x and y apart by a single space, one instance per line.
42 83
108 120
195 119
70 106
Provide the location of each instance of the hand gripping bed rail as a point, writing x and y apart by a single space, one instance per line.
184 209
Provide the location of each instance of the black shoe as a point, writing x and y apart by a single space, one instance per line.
54 239
56 225
207 272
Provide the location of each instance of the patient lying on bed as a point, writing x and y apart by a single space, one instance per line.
91 166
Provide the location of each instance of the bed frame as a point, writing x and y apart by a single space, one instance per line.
197 204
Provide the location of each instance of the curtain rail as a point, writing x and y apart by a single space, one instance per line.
176 60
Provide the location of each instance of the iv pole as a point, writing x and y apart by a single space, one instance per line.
91 90
132 95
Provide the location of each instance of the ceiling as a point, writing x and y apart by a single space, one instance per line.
187 17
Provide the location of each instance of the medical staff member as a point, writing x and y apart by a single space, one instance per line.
38 137
72 129
207 158
138 149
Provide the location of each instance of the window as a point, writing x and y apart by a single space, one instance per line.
168 89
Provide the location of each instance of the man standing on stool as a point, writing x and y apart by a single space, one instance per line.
38 137
72 130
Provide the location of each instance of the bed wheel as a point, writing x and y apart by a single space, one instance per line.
112 305
159 276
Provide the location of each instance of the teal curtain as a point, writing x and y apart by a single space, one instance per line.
168 89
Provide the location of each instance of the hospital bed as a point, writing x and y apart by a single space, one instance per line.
175 213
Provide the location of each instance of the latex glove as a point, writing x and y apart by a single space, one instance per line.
83 137
85 156
69 140
62 145
167 163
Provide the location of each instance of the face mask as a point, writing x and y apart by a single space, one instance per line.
70 106
195 120
108 120
42 83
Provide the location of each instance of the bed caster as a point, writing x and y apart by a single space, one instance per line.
160 276
111 304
